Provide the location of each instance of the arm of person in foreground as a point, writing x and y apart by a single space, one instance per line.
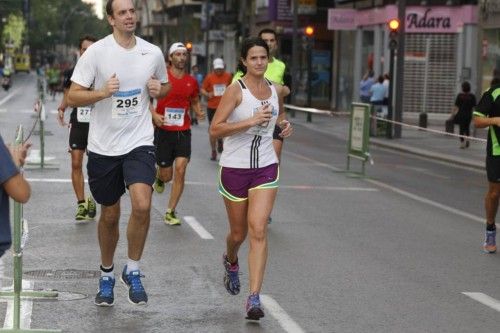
16 186
481 121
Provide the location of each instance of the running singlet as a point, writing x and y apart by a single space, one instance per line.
254 147
175 106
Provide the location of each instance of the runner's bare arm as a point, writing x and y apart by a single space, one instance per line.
80 96
156 88
165 88
481 122
62 107
282 122
196 105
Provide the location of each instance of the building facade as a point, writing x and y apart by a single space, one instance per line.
489 17
440 51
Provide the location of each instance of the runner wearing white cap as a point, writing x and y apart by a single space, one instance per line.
214 86
173 129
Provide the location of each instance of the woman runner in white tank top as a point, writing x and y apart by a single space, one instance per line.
249 173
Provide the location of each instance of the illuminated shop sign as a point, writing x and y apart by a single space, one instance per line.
439 19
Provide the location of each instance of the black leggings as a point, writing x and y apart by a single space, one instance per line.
464 129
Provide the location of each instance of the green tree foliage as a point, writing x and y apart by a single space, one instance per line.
13 31
62 22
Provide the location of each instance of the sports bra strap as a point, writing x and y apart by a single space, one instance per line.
242 85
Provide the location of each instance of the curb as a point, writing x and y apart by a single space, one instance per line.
428 154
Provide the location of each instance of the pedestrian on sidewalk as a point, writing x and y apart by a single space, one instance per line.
487 114
12 185
386 83
125 71
377 95
462 112
173 129
213 87
365 84
78 139
249 176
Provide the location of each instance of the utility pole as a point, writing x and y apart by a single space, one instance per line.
295 51
183 22
400 68
207 37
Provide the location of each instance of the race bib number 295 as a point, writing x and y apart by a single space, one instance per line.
126 104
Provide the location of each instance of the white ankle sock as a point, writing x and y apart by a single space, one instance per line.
132 265
110 273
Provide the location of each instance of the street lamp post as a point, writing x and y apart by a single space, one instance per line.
309 32
393 45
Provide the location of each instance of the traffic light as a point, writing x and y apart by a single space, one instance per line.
189 46
393 33
309 31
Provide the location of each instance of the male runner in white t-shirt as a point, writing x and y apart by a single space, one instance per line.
126 71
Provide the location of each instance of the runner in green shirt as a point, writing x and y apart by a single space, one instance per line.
275 72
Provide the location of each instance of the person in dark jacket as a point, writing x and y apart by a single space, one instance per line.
464 104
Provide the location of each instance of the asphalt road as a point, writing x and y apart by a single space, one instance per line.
392 252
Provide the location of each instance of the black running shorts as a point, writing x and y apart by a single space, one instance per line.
493 169
110 175
78 135
170 145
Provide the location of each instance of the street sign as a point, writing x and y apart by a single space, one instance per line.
359 126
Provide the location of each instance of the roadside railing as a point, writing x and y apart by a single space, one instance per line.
308 110
40 161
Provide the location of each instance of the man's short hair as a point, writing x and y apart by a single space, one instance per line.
109 8
267 31
86 37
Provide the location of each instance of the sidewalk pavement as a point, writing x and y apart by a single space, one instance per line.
439 146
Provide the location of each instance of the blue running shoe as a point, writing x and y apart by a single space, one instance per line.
105 296
231 278
136 293
253 307
490 245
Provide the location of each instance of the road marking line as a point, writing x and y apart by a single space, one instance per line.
329 188
428 201
484 299
285 321
202 232
26 309
27 111
9 96
399 191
